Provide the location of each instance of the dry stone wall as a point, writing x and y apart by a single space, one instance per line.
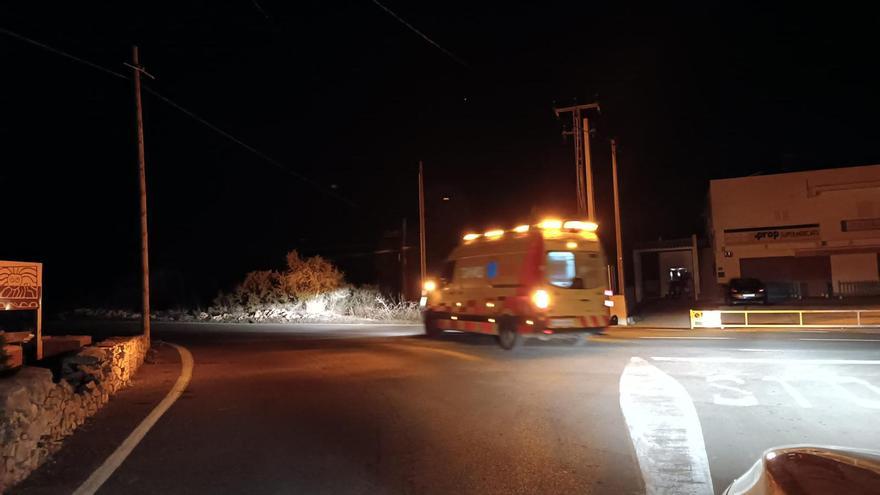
36 413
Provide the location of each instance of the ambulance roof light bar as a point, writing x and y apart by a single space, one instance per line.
580 225
550 223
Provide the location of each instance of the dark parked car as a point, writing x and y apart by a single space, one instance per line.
746 290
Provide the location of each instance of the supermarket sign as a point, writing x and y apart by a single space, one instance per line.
772 235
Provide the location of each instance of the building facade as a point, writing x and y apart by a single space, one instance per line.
805 234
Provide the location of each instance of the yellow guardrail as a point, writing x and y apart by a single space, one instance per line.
807 318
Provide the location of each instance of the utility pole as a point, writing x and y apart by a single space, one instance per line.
422 247
403 259
588 172
145 258
619 310
580 131
621 287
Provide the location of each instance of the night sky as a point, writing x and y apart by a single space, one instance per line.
347 96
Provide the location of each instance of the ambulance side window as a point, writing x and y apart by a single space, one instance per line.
574 270
560 268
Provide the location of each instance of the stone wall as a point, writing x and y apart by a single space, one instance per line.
36 413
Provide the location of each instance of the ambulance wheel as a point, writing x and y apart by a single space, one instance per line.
431 328
508 337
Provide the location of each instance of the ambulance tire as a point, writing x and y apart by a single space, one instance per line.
508 338
431 328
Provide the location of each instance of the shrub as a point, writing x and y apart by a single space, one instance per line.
261 287
309 277
308 288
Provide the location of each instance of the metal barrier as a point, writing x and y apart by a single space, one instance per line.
780 318
858 288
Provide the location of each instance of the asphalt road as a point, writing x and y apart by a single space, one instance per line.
360 409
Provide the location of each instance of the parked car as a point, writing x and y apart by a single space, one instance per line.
807 469
746 291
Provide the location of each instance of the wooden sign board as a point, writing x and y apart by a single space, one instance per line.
21 288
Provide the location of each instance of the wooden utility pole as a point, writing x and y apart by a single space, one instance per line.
580 132
403 283
588 173
422 253
145 257
621 287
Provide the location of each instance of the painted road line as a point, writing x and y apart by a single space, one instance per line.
730 360
689 338
840 381
103 473
760 350
608 339
446 352
844 340
665 431
793 392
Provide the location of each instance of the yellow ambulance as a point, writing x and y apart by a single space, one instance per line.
533 280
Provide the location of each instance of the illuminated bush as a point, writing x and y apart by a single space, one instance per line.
308 289
261 287
305 278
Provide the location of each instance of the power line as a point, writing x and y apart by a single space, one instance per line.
188 113
259 8
62 53
421 34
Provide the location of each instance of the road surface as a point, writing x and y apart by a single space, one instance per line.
361 409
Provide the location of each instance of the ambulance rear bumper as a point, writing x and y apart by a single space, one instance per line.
524 324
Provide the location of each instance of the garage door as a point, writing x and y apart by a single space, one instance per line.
809 276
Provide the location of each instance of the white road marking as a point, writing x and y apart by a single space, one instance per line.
665 431
691 338
844 340
744 397
447 352
760 350
731 360
103 473
844 380
793 392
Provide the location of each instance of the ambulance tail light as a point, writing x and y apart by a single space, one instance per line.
541 299
471 237
521 229
493 234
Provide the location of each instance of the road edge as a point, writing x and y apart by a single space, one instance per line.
109 466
